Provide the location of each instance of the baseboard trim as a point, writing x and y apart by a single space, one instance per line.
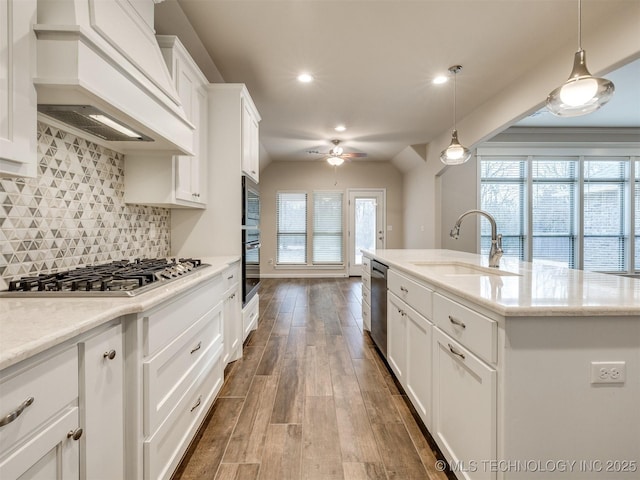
303 275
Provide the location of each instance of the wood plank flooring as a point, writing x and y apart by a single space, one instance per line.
310 399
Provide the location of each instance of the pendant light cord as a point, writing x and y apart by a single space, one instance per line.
455 74
579 25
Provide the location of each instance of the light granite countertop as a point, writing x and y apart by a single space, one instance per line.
31 325
519 288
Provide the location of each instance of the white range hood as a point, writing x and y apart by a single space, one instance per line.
98 60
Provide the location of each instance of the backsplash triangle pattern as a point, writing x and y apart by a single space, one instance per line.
74 213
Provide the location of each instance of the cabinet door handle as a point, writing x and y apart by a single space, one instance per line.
405 290
197 347
11 416
455 321
230 277
196 405
75 434
455 352
111 354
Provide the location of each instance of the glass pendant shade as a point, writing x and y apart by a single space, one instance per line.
335 161
581 93
455 153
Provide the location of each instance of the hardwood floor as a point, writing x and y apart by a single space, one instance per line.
310 399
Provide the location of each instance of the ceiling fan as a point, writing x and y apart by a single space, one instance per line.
336 156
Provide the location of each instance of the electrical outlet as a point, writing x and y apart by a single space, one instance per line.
608 372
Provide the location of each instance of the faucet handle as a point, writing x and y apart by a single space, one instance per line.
499 242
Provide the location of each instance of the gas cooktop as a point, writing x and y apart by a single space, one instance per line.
122 278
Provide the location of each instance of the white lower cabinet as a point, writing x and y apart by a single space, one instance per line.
49 454
102 407
464 408
40 431
250 315
232 324
175 373
409 341
397 336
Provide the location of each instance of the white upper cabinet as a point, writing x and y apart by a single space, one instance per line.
250 139
177 181
18 104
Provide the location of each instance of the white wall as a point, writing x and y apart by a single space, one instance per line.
318 175
614 44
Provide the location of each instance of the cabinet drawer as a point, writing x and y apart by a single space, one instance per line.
366 265
411 292
475 331
164 449
170 371
366 315
366 280
165 323
366 295
250 315
52 382
231 276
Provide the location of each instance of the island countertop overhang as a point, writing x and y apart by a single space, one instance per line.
517 289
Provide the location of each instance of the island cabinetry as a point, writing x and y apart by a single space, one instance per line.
175 181
409 330
101 404
181 370
366 294
39 417
465 387
250 315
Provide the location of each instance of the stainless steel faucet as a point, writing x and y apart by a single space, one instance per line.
496 239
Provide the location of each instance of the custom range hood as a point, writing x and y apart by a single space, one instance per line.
100 69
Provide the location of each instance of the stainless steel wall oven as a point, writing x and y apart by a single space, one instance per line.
250 239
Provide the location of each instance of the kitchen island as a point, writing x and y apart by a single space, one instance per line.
525 371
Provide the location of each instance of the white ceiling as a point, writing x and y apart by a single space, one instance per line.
373 62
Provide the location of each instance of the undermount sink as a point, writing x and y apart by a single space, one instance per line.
462 269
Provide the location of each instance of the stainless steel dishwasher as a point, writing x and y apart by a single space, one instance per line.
379 305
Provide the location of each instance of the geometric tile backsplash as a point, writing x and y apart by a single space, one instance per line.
73 213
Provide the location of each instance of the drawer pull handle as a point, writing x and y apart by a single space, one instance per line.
457 322
10 417
196 348
196 405
455 352
405 290
75 434
111 354
229 278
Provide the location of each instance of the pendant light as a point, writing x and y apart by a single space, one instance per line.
582 93
455 153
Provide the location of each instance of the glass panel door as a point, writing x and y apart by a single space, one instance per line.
366 225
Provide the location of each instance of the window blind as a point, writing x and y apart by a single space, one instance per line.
546 192
291 214
327 228
604 215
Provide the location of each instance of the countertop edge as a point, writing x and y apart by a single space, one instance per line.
108 309
509 311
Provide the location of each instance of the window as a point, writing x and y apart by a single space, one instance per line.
569 210
291 214
327 228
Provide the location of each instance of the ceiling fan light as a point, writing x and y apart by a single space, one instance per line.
455 153
335 161
336 151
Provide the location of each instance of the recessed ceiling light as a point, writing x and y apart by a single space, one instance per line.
305 78
440 79
340 128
